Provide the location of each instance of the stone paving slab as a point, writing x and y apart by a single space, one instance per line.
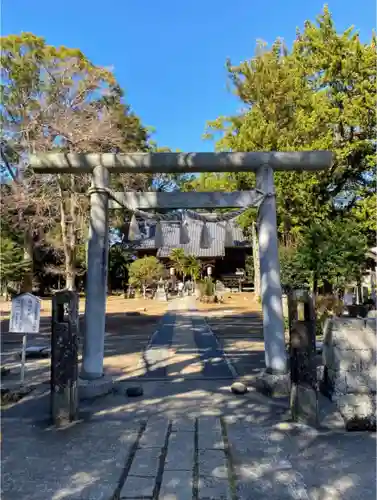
214 489
212 355
155 434
212 464
176 485
180 455
138 487
210 434
145 462
183 425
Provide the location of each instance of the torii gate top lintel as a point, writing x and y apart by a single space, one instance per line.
180 162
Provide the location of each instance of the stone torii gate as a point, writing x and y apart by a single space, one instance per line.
101 165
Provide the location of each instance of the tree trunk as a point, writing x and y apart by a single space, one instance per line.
256 261
359 292
315 284
109 284
70 276
67 224
327 288
27 280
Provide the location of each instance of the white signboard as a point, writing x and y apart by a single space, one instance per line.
25 314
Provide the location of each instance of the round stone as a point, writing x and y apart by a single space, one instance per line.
239 388
134 392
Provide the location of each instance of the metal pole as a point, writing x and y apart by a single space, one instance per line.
271 293
96 284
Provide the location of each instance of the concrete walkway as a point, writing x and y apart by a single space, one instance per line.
188 437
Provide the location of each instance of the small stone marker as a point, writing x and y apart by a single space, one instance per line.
161 292
239 388
134 392
303 373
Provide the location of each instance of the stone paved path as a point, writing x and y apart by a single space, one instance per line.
188 437
185 345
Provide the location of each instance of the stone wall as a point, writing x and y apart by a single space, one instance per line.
349 375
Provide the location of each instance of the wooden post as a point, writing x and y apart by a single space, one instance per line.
302 330
64 357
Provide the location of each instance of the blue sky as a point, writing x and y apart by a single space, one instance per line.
169 56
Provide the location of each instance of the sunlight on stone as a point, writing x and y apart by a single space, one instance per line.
338 489
276 436
275 277
276 305
220 472
79 481
264 239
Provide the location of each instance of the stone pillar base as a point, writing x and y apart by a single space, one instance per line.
358 411
89 389
273 384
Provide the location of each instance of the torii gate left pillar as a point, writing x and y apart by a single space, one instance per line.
263 163
96 280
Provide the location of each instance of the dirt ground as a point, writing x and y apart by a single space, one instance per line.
127 335
239 303
115 304
129 326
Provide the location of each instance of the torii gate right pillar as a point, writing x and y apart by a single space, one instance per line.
271 293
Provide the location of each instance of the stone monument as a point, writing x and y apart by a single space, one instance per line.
161 291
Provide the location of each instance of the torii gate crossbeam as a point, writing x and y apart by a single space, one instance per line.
101 165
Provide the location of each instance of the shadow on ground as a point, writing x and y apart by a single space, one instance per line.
88 457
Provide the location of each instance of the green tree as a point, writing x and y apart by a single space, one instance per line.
292 272
144 272
13 266
119 258
178 258
334 253
192 266
312 97
364 213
